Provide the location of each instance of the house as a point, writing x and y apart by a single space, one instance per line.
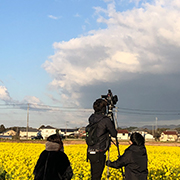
23 133
68 132
82 132
9 132
122 134
169 135
46 131
145 134
148 136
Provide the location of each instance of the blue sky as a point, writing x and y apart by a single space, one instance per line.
29 29
60 56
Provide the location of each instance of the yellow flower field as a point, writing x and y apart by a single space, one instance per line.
19 159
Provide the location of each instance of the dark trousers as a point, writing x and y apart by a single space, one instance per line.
97 162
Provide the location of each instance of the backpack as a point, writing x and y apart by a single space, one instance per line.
91 134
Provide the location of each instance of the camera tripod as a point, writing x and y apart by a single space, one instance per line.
111 101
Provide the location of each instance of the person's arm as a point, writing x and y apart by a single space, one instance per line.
64 164
39 167
121 161
68 173
111 128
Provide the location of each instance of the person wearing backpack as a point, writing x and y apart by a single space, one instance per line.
99 144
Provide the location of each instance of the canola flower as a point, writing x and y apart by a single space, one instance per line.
19 159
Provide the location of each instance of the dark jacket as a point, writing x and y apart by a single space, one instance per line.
57 164
135 161
105 127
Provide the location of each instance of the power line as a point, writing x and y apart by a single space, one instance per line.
40 105
51 108
150 114
145 110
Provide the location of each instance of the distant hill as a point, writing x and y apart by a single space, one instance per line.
172 126
162 126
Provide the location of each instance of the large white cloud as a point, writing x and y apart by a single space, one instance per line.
4 94
142 40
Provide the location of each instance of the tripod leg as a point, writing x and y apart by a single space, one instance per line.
108 167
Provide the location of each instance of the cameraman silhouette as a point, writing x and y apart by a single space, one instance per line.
96 152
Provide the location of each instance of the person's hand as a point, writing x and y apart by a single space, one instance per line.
108 162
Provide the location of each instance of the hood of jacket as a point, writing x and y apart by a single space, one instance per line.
140 150
95 117
52 146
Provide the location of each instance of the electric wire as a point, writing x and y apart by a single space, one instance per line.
53 108
145 110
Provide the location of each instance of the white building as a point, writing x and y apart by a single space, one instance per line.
148 137
68 132
8 133
122 134
47 131
23 133
145 134
169 135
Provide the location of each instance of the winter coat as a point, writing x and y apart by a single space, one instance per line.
52 164
105 127
135 161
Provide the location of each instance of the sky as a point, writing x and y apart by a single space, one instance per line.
57 57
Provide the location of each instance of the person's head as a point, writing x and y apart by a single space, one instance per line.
55 138
99 106
137 139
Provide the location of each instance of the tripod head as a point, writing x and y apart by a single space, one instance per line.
111 101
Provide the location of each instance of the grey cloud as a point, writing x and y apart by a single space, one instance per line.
153 95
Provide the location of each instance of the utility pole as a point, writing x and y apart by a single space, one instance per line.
27 122
116 117
66 128
156 124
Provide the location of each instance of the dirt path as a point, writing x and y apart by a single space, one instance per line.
81 141
152 143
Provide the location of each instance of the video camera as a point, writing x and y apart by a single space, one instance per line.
111 101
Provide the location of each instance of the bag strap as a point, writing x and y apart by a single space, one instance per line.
97 121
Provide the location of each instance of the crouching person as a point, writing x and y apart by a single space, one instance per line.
134 159
53 163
